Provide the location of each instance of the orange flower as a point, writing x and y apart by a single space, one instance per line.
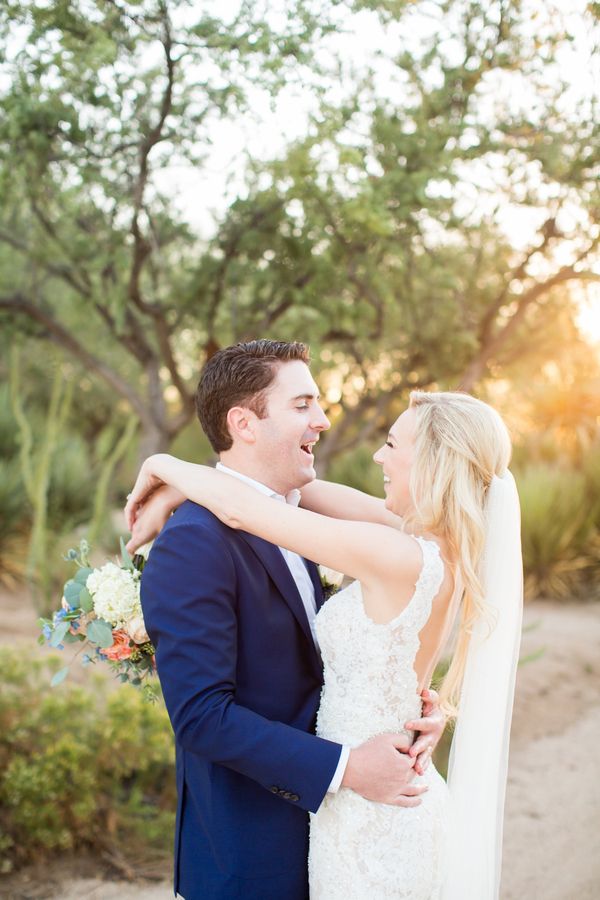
121 649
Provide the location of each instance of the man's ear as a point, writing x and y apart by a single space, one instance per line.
241 422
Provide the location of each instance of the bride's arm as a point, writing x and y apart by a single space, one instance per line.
342 502
368 551
326 497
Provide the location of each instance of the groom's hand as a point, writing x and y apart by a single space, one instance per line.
381 770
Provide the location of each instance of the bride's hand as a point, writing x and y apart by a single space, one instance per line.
150 518
430 728
147 482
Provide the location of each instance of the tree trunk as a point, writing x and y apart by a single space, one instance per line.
152 440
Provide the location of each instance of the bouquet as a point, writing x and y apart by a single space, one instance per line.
102 614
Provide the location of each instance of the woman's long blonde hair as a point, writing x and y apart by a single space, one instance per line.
460 444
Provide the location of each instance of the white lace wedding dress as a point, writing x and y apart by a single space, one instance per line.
360 850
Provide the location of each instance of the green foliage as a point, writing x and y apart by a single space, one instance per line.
80 768
382 235
13 524
559 508
13 500
358 470
100 100
361 237
591 474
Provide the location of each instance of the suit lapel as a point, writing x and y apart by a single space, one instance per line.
313 571
273 561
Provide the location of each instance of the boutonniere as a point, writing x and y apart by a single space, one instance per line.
331 581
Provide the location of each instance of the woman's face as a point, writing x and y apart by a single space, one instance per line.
396 458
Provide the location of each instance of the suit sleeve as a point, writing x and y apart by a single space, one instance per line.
189 603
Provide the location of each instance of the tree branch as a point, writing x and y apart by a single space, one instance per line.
164 343
65 273
477 367
229 248
518 272
17 303
141 247
343 437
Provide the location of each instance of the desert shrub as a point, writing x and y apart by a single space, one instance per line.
591 473
81 767
558 530
71 483
13 524
14 507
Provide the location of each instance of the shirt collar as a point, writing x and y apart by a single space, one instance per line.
293 498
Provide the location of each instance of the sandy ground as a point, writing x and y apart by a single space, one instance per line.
552 823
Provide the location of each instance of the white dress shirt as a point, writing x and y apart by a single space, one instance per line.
303 581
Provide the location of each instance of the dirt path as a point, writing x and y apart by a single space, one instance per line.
552 825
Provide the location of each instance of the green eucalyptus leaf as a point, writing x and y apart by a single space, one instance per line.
100 633
83 575
59 633
69 638
71 591
59 676
127 561
86 602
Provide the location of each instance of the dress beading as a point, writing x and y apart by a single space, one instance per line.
361 850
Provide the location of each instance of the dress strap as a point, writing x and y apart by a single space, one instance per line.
431 576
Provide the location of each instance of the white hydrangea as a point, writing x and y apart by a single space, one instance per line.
116 594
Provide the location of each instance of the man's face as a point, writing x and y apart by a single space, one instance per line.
294 421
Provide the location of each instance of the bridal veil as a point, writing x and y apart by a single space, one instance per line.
479 755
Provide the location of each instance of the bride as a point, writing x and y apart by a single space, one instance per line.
446 552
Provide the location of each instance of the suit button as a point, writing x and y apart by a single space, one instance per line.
286 795
281 792
294 797
274 789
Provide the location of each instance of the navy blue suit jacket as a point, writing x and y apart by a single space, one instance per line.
241 679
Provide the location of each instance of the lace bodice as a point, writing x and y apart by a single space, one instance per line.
360 849
370 682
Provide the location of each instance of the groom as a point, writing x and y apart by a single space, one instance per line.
232 620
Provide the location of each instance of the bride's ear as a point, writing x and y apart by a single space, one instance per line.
241 423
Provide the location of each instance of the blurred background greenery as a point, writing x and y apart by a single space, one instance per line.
409 187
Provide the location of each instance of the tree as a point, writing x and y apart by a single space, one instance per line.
102 96
379 236
368 236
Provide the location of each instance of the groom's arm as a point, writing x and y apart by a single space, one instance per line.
189 602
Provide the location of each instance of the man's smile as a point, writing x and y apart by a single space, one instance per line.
307 448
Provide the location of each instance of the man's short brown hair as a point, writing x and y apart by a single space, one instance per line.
240 376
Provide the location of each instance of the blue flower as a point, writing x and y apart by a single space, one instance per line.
47 632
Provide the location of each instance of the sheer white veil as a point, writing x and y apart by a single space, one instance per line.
479 754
